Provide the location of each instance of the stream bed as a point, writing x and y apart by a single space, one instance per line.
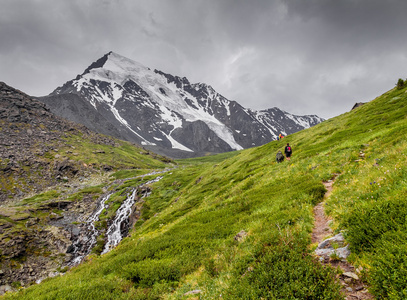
86 240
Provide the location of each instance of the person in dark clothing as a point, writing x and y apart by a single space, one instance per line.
279 157
288 151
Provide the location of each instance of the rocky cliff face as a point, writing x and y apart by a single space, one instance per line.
30 139
165 113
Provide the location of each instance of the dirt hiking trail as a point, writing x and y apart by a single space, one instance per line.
352 286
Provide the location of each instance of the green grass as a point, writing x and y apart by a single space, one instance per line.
84 154
126 173
49 195
123 155
92 190
184 239
217 158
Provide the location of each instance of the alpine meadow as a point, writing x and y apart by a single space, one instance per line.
238 225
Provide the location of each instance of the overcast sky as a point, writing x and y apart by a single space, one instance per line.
305 57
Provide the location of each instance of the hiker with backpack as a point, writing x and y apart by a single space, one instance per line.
279 157
288 151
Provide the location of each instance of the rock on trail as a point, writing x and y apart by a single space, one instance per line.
334 251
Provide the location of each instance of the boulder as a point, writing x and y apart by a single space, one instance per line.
333 247
240 236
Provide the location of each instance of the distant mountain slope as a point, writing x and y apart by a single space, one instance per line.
166 113
39 149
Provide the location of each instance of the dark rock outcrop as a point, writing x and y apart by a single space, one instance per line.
357 105
30 139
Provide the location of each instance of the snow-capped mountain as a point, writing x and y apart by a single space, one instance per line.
165 113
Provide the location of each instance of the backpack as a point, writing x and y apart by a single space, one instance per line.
279 157
288 149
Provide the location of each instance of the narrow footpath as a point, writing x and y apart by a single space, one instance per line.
352 286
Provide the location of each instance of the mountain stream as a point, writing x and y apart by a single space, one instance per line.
87 239
114 232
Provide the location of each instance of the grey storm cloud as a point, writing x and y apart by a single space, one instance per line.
305 57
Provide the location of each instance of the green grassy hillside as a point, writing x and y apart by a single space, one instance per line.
186 240
76 154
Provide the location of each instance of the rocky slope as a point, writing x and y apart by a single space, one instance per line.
166 113
29 135
64 167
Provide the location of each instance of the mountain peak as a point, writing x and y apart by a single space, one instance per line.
168 113
115 62
119 63
97 64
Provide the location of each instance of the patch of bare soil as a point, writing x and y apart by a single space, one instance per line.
321 221
352 286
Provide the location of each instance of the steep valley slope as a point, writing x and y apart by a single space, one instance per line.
51 171
238 225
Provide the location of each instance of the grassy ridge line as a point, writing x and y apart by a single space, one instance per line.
186 240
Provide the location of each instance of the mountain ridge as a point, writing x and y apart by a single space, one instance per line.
161 111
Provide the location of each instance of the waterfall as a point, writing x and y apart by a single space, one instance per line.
114 232
88 236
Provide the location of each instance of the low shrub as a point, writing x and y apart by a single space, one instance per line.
282 272
368 222
389 267
147 272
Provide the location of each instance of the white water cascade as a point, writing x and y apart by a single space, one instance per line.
88 237
114 232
